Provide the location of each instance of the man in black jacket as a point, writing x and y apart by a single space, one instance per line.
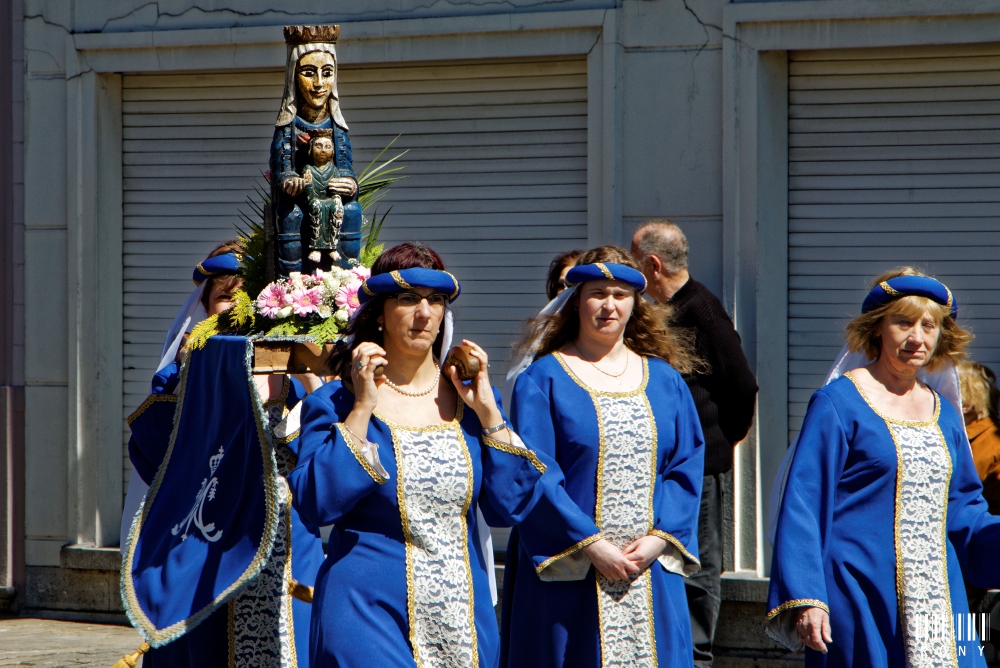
724 396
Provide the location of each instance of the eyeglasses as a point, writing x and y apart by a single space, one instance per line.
436 300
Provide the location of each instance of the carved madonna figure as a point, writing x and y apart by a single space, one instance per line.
311 106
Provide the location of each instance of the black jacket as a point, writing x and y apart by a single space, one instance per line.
725 397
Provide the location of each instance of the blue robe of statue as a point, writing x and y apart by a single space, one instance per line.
645 451
880 520
289 154
224 633
405 580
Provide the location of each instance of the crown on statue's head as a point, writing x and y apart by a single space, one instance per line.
310 34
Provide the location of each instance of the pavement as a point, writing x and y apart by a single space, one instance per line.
54 644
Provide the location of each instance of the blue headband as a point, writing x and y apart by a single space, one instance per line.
903 286
407 279
600 271
229 264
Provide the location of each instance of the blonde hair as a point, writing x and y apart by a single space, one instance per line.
979 389
863 332
647 331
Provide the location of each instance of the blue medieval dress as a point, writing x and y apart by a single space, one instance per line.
266 624
880 520
405 581
633 462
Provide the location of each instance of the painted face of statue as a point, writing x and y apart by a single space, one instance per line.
314 77
322 151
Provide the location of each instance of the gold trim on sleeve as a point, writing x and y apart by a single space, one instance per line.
150 400
565 553
376 476
676 543
287 439
515 450
797 603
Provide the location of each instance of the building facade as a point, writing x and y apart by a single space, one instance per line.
804 147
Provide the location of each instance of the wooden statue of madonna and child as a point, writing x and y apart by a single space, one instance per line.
314 209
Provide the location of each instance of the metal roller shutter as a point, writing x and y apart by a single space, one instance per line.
496 168
894 158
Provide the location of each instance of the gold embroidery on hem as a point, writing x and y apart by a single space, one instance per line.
470 476
565 553
375 475
133 610
289 612
515 450
150 400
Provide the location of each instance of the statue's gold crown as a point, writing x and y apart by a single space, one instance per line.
309 34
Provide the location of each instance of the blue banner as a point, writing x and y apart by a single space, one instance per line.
208 522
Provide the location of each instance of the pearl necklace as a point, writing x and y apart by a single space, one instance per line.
420 393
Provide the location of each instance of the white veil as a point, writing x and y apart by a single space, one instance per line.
944 382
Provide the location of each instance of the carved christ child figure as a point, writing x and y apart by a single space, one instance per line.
325 207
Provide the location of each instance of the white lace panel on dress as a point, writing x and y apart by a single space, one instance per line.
921 550
625 512
435 491
261 626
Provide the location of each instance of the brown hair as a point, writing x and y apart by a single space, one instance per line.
647 331
226 282
979 389
953 341
365 326
560 262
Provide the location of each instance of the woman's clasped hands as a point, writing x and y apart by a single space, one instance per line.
626 564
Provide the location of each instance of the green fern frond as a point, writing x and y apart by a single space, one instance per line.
286 328
202 332
326 331
242 313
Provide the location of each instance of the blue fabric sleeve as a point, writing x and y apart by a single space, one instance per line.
677 499
973 531
556 528
332 475
805 520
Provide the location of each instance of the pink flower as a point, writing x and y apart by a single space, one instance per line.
347 296
306 300
361 272
271 299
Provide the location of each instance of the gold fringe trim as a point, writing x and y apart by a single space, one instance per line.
132 660
150 400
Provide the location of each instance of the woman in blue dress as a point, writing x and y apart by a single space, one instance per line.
882 512
398 461
265 624
605 399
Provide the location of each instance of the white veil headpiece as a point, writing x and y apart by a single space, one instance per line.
554 307
944 382
289 107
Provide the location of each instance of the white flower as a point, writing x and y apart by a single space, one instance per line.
324 311
296 278
285 312
341 316
331 282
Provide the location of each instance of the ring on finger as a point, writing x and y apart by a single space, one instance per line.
361 365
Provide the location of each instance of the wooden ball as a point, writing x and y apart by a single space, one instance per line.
460 357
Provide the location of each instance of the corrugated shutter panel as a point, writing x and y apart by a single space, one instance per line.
894 158
496 181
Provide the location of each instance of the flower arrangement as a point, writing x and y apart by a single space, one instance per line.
325 294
